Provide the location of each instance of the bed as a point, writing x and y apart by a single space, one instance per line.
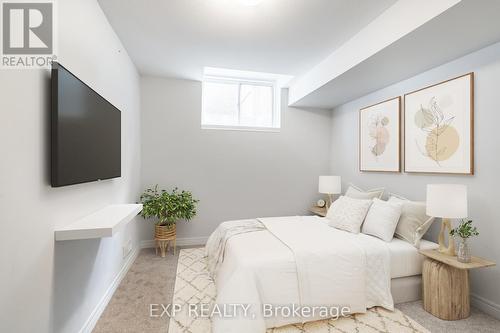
406 269
300 260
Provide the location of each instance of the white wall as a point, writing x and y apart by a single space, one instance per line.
235 174
47 286
484 200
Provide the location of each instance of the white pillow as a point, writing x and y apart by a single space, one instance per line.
357 193
348 214
382 219
414 222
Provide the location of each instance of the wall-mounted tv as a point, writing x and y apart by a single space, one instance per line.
85 132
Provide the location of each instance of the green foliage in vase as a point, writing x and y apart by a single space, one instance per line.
464 230
168 207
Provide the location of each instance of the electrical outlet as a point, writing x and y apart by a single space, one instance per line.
127 248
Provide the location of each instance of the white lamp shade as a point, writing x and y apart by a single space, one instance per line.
447 201
330 185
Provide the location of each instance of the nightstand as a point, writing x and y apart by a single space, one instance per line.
320 211
445 284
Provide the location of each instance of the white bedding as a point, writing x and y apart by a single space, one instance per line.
216 244
405 259
282 266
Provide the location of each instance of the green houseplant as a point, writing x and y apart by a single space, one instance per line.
167 208
465 230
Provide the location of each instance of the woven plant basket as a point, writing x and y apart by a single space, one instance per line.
163 232
164 235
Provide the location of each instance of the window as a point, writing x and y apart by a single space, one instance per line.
239 104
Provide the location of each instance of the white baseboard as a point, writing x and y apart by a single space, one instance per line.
485 305
99 309
192 241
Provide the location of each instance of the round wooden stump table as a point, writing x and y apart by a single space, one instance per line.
446 290
445 283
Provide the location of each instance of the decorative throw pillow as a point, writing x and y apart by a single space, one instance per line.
414 222
382 219
348 214
357 193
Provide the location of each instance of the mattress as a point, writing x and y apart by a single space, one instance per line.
405 259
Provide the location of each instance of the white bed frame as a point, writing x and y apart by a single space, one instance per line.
406 289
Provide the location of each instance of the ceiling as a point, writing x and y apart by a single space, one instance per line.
464 28
177 38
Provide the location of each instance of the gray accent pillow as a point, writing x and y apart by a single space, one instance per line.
357 193
414 222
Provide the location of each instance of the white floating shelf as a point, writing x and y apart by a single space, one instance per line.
103 223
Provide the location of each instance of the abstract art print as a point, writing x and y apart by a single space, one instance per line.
379 136
439 127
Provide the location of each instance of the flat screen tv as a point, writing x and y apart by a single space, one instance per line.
85 132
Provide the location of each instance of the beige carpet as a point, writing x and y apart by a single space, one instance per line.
194 286
150 280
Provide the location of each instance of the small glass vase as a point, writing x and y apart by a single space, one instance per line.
464 254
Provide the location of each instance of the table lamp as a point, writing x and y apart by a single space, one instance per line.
329 185
447 201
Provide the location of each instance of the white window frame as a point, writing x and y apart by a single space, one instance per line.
276 109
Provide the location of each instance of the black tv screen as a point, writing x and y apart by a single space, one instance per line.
86 132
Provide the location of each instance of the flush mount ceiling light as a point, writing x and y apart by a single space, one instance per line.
250 2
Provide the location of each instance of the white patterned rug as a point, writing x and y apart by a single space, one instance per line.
194 286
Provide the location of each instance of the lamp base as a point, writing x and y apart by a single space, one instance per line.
450 248
329 200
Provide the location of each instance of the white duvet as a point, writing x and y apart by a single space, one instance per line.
300 261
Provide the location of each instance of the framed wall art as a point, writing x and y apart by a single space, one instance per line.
439 127
379 137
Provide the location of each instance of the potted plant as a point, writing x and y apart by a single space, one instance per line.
465 230
167 208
